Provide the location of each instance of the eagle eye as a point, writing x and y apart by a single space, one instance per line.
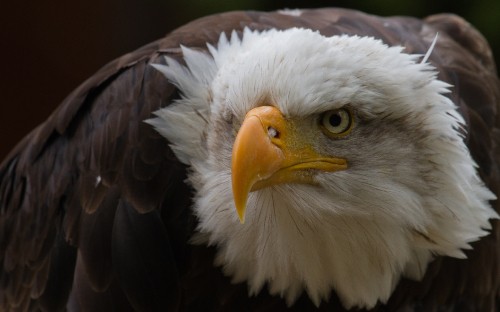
337 123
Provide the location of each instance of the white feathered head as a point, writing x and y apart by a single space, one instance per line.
342 155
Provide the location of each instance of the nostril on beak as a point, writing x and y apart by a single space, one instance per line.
273 133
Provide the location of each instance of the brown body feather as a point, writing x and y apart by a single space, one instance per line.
95 214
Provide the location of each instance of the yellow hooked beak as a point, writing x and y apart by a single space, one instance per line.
268 150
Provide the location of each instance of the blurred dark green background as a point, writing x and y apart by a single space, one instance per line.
47 48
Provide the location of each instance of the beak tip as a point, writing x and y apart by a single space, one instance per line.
242 219
241 214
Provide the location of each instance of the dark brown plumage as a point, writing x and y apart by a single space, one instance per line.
123 245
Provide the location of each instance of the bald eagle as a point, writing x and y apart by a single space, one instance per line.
306 159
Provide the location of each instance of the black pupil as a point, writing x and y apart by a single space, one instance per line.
335 120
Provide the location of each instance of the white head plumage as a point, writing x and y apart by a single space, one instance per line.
410 191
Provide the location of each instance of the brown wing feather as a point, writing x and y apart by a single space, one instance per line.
95 198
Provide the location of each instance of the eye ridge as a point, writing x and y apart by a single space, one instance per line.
337 123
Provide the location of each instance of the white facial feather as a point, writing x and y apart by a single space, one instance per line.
411 190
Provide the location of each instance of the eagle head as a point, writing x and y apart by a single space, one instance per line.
322 164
